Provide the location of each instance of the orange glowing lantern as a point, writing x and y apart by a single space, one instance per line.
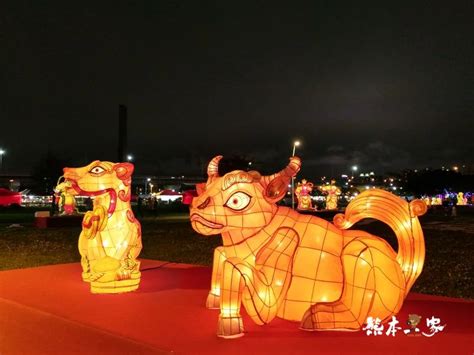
110 240
279 263
332 192
302 192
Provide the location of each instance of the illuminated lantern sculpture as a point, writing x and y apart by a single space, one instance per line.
110 240
436 201
331 191
302 192
67 201
279 263
427 200
461 200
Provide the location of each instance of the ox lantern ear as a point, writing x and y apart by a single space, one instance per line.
124 171
276 189
200 188
276 185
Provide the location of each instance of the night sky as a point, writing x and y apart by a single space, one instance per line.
385 87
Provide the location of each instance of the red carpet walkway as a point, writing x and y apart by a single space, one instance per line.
49 310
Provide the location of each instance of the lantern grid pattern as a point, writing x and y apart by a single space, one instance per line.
279 263
110 240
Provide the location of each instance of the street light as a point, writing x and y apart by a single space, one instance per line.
295 144
129 157
147 181
355 168
2 152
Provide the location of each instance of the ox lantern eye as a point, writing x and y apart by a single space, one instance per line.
97 170
238 201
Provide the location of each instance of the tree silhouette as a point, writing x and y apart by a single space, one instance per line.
47 172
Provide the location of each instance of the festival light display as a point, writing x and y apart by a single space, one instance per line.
332 192
66 200
303 195
436 201
461 200
110 240
427 200
279 263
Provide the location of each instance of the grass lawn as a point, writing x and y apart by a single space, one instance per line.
447 271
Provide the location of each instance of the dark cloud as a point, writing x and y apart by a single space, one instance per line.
368 157
382 86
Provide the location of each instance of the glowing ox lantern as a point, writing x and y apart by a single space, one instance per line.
302 192
279 263
331 191
110 240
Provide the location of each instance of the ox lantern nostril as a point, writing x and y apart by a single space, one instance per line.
205 203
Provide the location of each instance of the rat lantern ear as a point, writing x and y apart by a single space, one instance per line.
124 171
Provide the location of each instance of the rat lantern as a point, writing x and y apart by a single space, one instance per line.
110 240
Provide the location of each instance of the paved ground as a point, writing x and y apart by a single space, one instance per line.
49 310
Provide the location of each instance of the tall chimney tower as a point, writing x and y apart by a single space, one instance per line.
122 134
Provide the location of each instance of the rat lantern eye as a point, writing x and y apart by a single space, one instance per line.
97 170
238 201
